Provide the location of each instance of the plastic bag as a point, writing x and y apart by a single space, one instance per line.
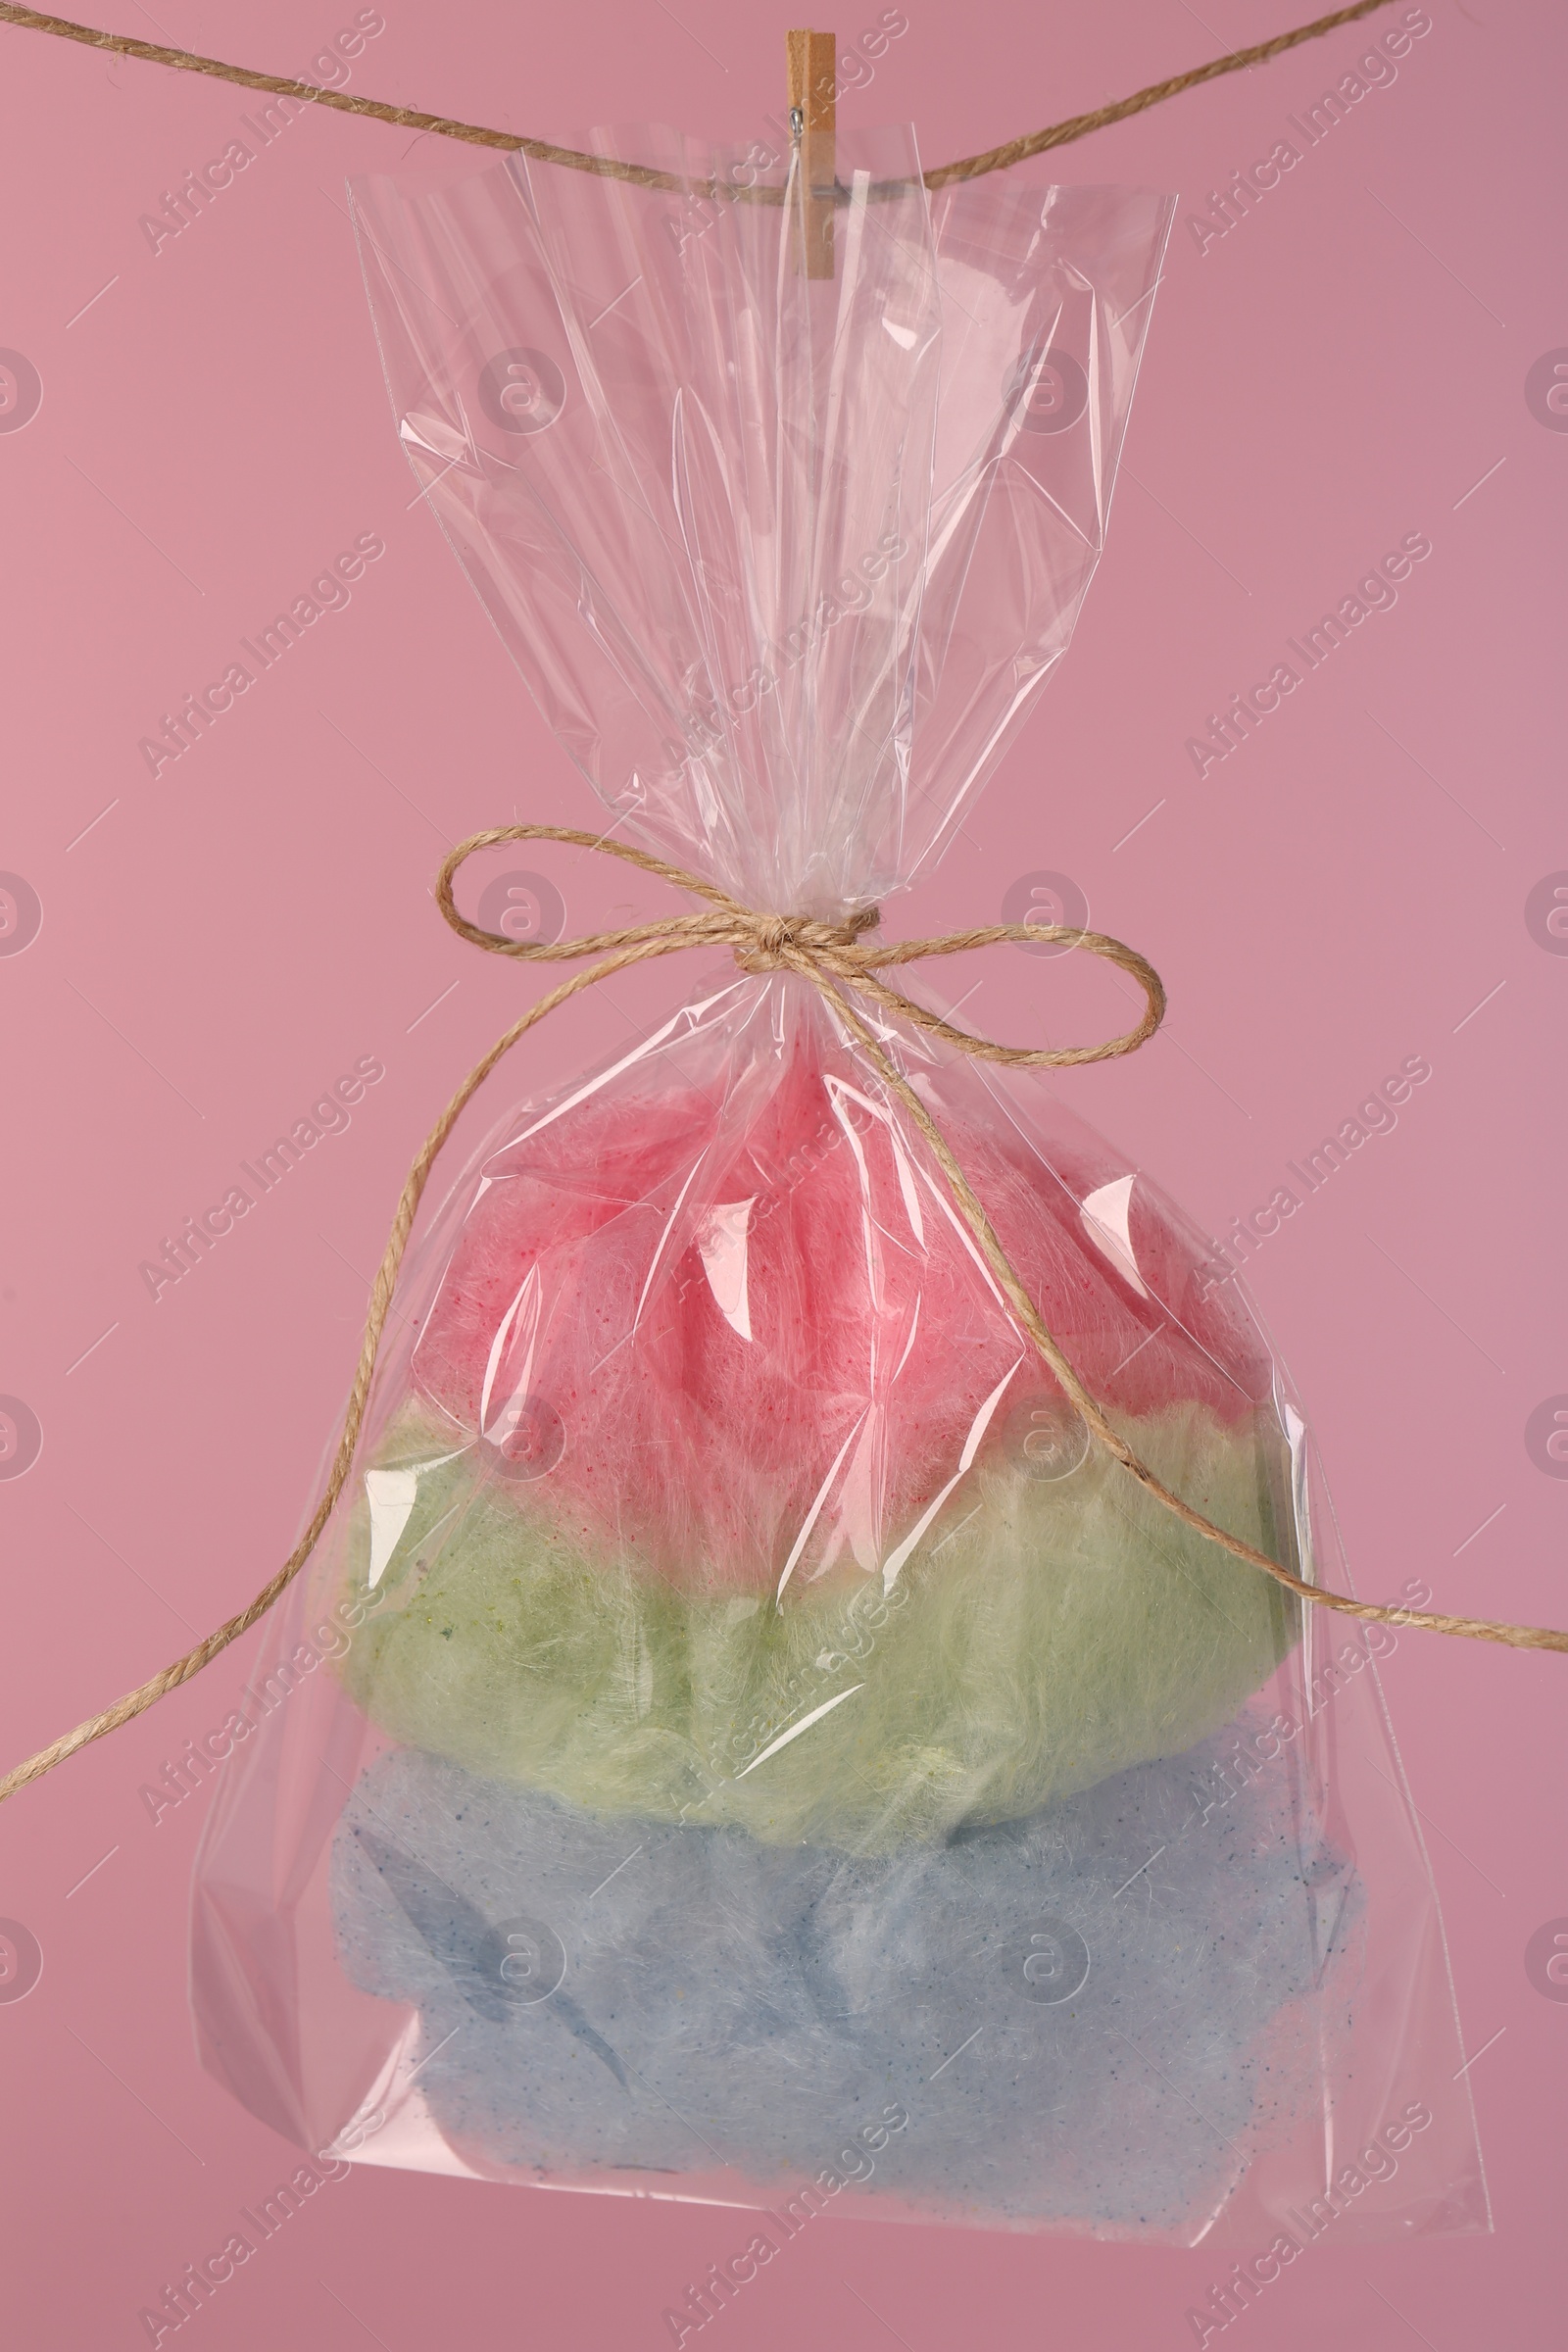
742 1739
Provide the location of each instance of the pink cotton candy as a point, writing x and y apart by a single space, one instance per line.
706 1309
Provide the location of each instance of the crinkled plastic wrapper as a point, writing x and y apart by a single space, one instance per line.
740 1739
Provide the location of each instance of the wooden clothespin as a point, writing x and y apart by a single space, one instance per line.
812 72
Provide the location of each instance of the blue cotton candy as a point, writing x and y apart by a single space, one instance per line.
1076 2032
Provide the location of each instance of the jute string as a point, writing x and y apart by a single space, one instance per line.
642 176
833 957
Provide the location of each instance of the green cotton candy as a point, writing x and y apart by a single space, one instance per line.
1045 1633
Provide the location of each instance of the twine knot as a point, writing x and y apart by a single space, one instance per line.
769 939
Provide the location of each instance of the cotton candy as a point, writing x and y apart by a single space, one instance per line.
683 1305
1044 1635
1093 2011
754 1506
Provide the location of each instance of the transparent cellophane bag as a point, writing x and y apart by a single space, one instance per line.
740 1738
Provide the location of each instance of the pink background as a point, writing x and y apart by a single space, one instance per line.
1345 367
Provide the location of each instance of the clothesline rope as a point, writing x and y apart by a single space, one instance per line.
643 176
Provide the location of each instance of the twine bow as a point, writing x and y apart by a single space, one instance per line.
838 960
819 952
